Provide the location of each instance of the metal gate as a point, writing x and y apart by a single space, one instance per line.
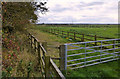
83 54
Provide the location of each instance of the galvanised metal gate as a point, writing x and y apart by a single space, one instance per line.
83 54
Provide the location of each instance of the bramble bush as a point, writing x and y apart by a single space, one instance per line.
15 63
11 50
16 16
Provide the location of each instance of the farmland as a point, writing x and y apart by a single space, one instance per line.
103 70
109 31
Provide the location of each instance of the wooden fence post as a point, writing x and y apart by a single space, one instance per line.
82 39
38 53
47 66
95 40
47 30
34 44
119 44
50 30
29 38
44 44
58 32
113 43
63 57
31 42
74 35
54 31
62 33
68 34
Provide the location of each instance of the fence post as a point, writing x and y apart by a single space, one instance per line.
34 44
68 34
63 57
54 31
62 33
44 44
50 30
113 43
95 40
58 32
38 53
82 39
47 66
74 35
31 43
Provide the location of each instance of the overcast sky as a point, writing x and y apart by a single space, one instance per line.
80 11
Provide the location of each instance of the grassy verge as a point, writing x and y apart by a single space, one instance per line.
18 61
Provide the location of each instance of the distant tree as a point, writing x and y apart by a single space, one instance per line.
20 14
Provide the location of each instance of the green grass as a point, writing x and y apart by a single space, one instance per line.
109 69
87 55
103 31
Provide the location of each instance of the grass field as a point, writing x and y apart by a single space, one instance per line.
106 70
110 31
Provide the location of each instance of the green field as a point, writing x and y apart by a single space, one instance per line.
101 71
107 70
110 31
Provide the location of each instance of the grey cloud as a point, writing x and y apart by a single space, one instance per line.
61 19
90 8
66 19
84 16
82 4
70 19
94 19
95 3
59 8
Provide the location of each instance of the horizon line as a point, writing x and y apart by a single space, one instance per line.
77 23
